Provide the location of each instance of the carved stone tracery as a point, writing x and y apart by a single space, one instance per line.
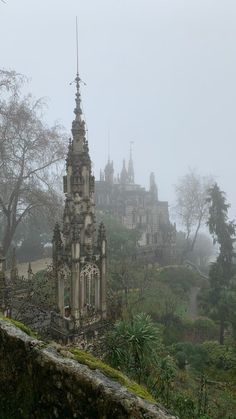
79 246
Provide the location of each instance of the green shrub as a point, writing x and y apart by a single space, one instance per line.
195 354
174 332
181 359
205 328
220 356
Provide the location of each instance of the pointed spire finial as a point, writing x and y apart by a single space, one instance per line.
77 48
131 150
131 165
109 157
79 143
77 110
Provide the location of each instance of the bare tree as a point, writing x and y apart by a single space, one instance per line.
203 251
29 154
191 206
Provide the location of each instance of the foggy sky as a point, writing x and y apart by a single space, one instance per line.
161 73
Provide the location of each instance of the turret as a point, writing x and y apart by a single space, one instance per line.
101 176
153 187
109 172
130 168
124 174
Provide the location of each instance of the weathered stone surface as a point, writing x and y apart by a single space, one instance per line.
36 382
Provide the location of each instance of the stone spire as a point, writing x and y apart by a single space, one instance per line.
153 187
79 143
77 249
79 181
130 167
124 174
109 171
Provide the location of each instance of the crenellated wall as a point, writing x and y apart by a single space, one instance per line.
38 382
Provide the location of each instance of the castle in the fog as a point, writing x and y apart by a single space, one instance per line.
137 208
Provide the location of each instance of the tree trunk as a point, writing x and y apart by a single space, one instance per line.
7 238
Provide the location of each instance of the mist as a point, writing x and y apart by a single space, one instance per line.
158 73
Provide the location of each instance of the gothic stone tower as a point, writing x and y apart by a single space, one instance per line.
77 250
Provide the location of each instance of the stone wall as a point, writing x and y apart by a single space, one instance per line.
38 382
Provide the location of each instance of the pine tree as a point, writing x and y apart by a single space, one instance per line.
221 272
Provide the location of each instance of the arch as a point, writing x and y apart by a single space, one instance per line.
90 287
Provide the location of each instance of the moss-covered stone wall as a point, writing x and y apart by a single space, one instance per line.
38 382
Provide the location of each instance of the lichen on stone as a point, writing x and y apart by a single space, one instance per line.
20 326
93 363
41 382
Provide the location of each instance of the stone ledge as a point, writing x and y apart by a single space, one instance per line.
37 382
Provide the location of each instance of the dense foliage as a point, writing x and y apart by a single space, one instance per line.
158 341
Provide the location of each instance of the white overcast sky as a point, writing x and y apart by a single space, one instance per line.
161 73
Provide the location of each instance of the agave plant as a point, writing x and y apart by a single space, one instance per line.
132 346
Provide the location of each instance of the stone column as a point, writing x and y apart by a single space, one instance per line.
68 179
58 281
97 293
82 294
89 291
75 291
103 306
60 294
75 281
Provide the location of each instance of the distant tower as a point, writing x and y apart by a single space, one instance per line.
153 187
131 166
124 174
109 172
101 176
76 249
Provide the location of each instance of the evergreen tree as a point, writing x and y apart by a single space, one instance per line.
221 272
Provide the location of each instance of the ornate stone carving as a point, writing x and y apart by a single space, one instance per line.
79 244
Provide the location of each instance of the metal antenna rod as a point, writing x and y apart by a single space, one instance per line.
108 144
77 47
131 147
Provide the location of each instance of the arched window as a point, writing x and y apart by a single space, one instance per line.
90 279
